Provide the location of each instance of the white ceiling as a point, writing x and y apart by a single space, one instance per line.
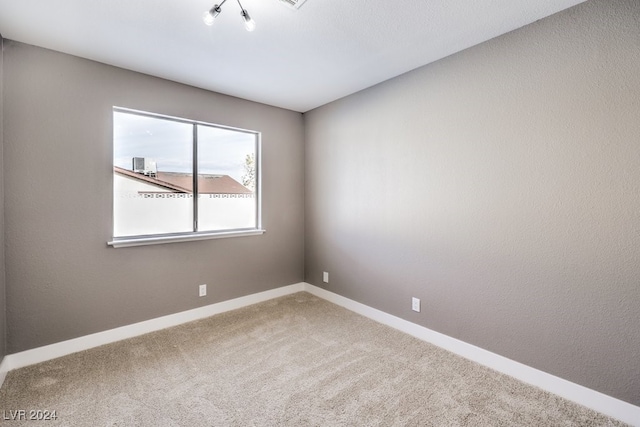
295 59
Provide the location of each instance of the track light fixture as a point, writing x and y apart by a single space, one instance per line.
211 14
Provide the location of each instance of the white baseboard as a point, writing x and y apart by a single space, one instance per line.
584 396
3 370
597 401
52 351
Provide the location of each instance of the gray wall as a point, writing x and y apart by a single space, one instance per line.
62 279
500 186
3 305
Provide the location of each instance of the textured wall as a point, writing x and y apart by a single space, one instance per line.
501 186
3 305
63 281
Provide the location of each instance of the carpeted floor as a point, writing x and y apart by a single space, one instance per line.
293 361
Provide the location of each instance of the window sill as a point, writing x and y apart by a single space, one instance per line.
126 242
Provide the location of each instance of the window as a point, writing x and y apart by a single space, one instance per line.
177 179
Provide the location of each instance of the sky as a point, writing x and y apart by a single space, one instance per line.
169 143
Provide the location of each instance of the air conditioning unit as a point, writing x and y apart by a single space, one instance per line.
293 4
145 166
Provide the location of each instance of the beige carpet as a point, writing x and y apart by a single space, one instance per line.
293 361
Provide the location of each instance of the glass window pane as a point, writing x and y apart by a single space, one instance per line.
152 176
227 173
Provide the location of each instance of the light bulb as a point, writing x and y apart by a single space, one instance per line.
249 23
210 15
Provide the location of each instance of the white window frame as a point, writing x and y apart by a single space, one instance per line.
154 239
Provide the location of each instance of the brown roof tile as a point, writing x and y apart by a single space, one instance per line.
178 182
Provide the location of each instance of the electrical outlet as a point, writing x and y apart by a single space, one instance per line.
415 304
202 290
325 277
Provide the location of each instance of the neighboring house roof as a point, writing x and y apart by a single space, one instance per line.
177 182
207 183
155 181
